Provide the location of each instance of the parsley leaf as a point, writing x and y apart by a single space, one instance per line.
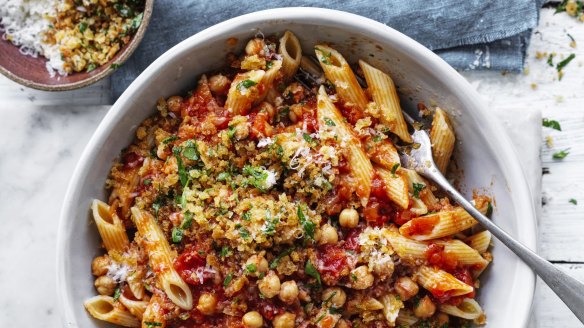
225 251
258 177
417 188
394 169
91 67
244 233
136 21
177 235
573 201
551 124
310 270
550 60
117 293
489 209
228 279
308 138
182 172
561 154
151 324
307 225
563 64
251 268
326 58
329 122
169 139
276 261
115 66
82 27
270 226
245 84
191 151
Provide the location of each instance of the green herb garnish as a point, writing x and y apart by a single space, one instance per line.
117 293
251 268
276 261
177 235
150 324
310 270
561 154
563 64
326 58
136 21
182 172
82 27
573 201
169 139
417 188
551 124
115 66
489 209
245 84
307 225
228 279
329 122
394 169
91 67
225 251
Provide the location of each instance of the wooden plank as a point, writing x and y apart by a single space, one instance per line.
561 224
549 310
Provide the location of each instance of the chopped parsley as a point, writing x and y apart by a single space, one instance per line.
251 268
561 154
245 84
169 139
225 251
551 124
91 67
115 66
151 324
489 209
271 222
394 169
309 139
326 58
310 270
156 205
231 132
244 233
329 122
573 201
117 293
307 225
191 151
223 176
182 172
563 64
147 182
417 188
276 261
269 64
353 277
177 235
550 60
377 139
258 177
228 279
136 21
82 27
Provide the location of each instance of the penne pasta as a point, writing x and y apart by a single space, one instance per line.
437 225
442 138
154 314
106 309
244 91
338 71
135 283
136 307
384 154
360 164
425 195
159 255
480 241
384 93
440 282
110 227
468 309
268 80
392 306
395 186
291 52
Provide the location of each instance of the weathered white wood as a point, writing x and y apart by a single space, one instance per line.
561 226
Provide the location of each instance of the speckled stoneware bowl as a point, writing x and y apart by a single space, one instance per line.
484 152
32 72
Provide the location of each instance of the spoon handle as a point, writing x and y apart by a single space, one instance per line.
568 289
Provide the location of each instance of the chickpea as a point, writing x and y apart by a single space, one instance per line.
288 292
425 308
255 46
270 285
349 218
100 265
361 278
219 84
256 265
253 319
105 285
174 103
336 296
328 235
442 319
207 303
406 288
292 116
284 320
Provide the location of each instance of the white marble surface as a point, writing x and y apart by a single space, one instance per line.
39 147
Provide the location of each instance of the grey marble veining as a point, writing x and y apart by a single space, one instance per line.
39 147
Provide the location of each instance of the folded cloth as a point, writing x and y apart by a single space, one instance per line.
471 34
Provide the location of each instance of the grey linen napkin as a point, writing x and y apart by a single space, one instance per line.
468 34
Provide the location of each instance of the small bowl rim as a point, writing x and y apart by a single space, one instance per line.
506 156
123 56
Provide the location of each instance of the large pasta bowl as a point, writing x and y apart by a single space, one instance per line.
484 153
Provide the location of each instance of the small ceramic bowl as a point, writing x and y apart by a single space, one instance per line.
32 72
484 151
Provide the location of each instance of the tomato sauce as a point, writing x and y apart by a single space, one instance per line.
436 255
422 225
189 263
332 260
131 160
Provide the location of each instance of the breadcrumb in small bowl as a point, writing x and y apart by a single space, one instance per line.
80 43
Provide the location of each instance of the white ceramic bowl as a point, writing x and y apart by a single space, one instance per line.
484 152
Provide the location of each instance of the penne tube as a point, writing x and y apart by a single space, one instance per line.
154 314
135 283
359 163
268 80
291 53
437 225
396 187
480 241
468 309
136 307
384 93
159 255
440 282
384 154
110 227
392 306
425 195
106 309
442 138
338 71
244 91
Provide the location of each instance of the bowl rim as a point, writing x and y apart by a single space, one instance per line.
505 155
123 56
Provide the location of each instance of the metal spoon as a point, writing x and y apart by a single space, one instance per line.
570 290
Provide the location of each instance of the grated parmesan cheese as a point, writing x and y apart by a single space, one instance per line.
118 271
